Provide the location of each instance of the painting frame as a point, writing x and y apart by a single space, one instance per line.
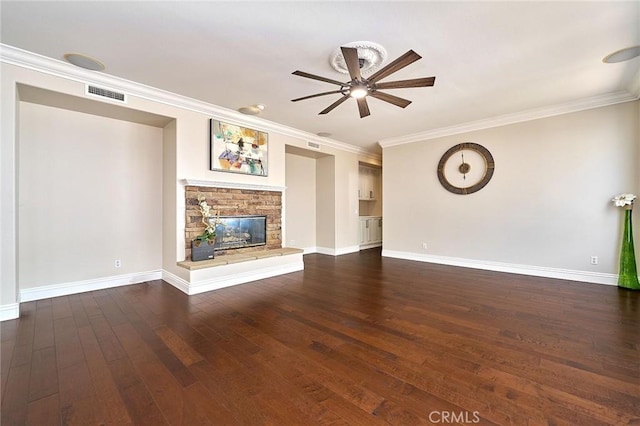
238 149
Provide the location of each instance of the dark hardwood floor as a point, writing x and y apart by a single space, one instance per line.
357 339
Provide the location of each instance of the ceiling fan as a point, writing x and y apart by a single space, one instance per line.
360 87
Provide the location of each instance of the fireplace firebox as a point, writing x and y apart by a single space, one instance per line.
234 232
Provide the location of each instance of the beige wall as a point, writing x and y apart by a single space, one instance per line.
170 194
548 203
182 153
89 192
346 195
325 202
300 202
8 192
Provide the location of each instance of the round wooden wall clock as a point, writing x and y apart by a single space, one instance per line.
465 168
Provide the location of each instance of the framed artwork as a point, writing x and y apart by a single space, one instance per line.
238 149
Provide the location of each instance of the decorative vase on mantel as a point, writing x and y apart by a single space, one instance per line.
628 276
202 249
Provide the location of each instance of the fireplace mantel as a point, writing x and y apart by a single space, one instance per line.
233 185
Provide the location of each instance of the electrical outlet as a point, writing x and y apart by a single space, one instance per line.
424 246
594 260
118 263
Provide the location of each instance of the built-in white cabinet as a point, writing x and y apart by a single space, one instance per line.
368 183
370 231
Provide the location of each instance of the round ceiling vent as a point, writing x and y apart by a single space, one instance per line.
622 55
252 110
371 56
84 61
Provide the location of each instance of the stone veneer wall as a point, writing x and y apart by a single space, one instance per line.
234 202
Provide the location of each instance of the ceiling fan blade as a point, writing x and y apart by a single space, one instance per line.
402 103
317 77
316 95
404 60
350 55
363 107
401 84
333 105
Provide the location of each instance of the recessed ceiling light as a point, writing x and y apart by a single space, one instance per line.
323 134
622 55
84 61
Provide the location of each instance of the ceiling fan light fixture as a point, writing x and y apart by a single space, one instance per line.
360 87
358 91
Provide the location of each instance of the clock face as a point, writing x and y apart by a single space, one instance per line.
465 168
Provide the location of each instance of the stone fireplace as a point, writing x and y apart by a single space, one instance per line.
234 202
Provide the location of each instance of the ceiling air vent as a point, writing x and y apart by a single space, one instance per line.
106 94
313 145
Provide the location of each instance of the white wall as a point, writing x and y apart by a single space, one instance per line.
300 202
548 204
90 192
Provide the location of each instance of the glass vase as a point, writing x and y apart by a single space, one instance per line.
628 277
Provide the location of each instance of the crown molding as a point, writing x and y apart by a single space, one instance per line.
518 117
634 87
33 61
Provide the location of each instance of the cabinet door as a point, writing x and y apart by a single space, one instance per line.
371 188
368 187
362 182
363 231
367 183
375 229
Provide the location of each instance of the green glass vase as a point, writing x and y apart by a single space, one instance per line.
628 277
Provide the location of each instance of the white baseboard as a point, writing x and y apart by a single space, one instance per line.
326 250
216 283
337 251
176 281
9 312
347 250
370 245
536 271
65 289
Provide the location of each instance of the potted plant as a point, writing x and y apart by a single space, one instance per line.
628 275
202 247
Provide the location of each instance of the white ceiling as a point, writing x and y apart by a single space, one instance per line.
489 58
